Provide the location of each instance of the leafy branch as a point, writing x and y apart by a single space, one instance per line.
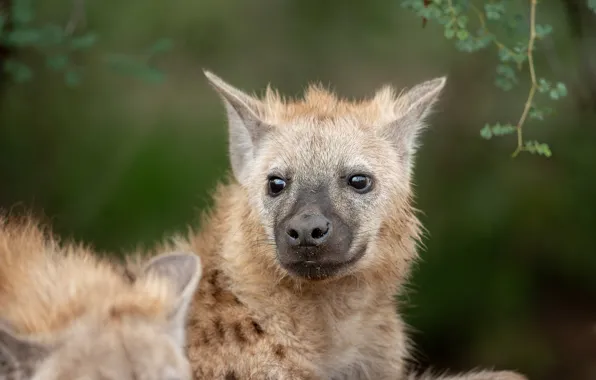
57 44
534 86
455 16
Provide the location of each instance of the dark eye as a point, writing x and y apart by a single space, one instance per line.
360 182
276 185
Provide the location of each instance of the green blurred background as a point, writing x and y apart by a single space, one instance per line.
508 271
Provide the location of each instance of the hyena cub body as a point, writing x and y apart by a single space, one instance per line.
311 239
66 314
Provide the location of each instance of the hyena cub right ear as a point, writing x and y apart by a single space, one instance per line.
18 355
246 129
183 271
411 110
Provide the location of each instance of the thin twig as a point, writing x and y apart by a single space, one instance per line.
484 27
77 16
529 101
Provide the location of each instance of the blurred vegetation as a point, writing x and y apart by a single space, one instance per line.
507 276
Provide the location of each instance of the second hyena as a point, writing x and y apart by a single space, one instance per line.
311 239
66 314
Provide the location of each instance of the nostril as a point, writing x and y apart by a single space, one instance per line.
318 233
293 233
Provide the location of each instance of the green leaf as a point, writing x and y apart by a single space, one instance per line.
22 37
434 13
543 30
72 78
496 130
160 46
127 66
486 133
20 72
501 130
494 10
503 84
554 94
504 55
449 33
592 5
151 74
57 62
543 85
462 34
506 77
52 35
22 11
506 71
462 21
536 113
472 44
535 147
562 89
84 41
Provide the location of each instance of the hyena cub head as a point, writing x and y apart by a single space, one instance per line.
139 334
324 173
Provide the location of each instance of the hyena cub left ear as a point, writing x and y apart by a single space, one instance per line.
246 129
412 109
183 271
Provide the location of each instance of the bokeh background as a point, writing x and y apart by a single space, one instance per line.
508 271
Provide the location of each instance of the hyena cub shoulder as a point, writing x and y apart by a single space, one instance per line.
311 239
66 314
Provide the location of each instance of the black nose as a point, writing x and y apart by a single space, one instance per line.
308 230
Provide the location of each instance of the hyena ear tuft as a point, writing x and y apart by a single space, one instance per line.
18 352
183 271
246 129
412 109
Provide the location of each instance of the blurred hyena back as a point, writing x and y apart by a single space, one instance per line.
66 314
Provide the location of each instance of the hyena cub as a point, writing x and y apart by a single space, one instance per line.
65 314
311 239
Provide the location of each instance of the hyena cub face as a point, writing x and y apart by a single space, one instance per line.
128 341
323 173
319 193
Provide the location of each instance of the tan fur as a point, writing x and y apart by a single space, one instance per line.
66 314
251 319
319 103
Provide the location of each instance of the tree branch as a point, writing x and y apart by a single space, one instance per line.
530 100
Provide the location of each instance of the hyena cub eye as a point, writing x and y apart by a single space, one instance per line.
276 185
361 183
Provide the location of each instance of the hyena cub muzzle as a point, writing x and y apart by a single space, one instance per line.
312 240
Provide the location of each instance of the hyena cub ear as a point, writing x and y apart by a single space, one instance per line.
246 129
183 271
411 110
19 354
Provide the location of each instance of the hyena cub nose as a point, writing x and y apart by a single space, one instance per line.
314 243
308 230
